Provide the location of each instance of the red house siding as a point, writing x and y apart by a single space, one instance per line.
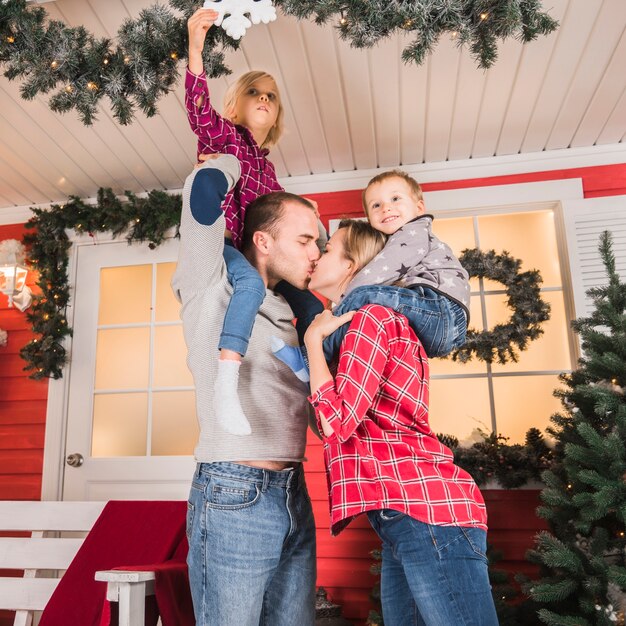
22 410
344 561
22 405
601 180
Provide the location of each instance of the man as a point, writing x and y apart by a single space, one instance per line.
250 524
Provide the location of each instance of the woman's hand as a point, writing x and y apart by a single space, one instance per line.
197 26
325 324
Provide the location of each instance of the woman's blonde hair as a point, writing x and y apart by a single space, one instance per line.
361 242
238 88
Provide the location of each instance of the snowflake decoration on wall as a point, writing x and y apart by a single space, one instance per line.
233 14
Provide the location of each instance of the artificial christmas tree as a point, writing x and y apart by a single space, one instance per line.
583 558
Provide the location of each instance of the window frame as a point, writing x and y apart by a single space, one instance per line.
556 208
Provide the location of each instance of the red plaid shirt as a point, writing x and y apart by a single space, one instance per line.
383 453
218 135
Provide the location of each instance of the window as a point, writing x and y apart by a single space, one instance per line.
508 399
144 401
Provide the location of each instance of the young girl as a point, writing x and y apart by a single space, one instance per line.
383 459
251 124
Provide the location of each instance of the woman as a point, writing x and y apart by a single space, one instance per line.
383 458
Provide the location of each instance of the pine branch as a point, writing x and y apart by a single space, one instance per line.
141 63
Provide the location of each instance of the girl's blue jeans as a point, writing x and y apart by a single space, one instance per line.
432 575
439 322
248 295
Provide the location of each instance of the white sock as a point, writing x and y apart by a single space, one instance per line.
230 415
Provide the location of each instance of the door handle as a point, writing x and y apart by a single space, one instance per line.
75 460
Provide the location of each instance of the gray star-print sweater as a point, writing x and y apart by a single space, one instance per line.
413 255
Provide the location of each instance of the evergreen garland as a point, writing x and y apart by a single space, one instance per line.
523 297
142 219
148 219
133 71
478 24
141 65
512 465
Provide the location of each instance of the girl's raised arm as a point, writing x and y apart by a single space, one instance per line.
212 130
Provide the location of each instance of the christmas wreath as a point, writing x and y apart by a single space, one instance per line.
523 297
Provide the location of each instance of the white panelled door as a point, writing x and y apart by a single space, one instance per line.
131 423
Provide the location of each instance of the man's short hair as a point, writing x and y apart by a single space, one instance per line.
264 214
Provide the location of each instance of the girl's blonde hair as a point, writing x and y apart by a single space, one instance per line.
361 242
238 88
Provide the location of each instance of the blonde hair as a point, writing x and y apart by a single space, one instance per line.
238 88
414 186
361 242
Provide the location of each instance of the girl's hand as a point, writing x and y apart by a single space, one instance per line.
198 26
325 324
207 157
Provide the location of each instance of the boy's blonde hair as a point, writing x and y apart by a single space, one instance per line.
414 186
362 242
238 88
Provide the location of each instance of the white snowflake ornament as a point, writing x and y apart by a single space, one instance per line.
233 14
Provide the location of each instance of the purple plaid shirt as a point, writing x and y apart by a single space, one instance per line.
218 135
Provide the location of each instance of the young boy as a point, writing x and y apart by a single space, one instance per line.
416 274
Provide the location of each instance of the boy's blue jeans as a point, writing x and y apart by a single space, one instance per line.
432 575
251 546
248 295
439 322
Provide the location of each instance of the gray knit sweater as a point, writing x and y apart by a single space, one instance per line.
272 398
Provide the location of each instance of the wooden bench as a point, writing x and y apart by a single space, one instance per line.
47 552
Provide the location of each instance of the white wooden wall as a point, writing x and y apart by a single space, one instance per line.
585 220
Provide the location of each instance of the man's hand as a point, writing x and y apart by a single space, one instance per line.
197 26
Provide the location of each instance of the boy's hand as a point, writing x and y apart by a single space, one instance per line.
198 26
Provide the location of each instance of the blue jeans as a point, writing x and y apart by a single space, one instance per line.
248 295
251 546
439 322
432 575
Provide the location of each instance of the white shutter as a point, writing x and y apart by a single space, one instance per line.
585 220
